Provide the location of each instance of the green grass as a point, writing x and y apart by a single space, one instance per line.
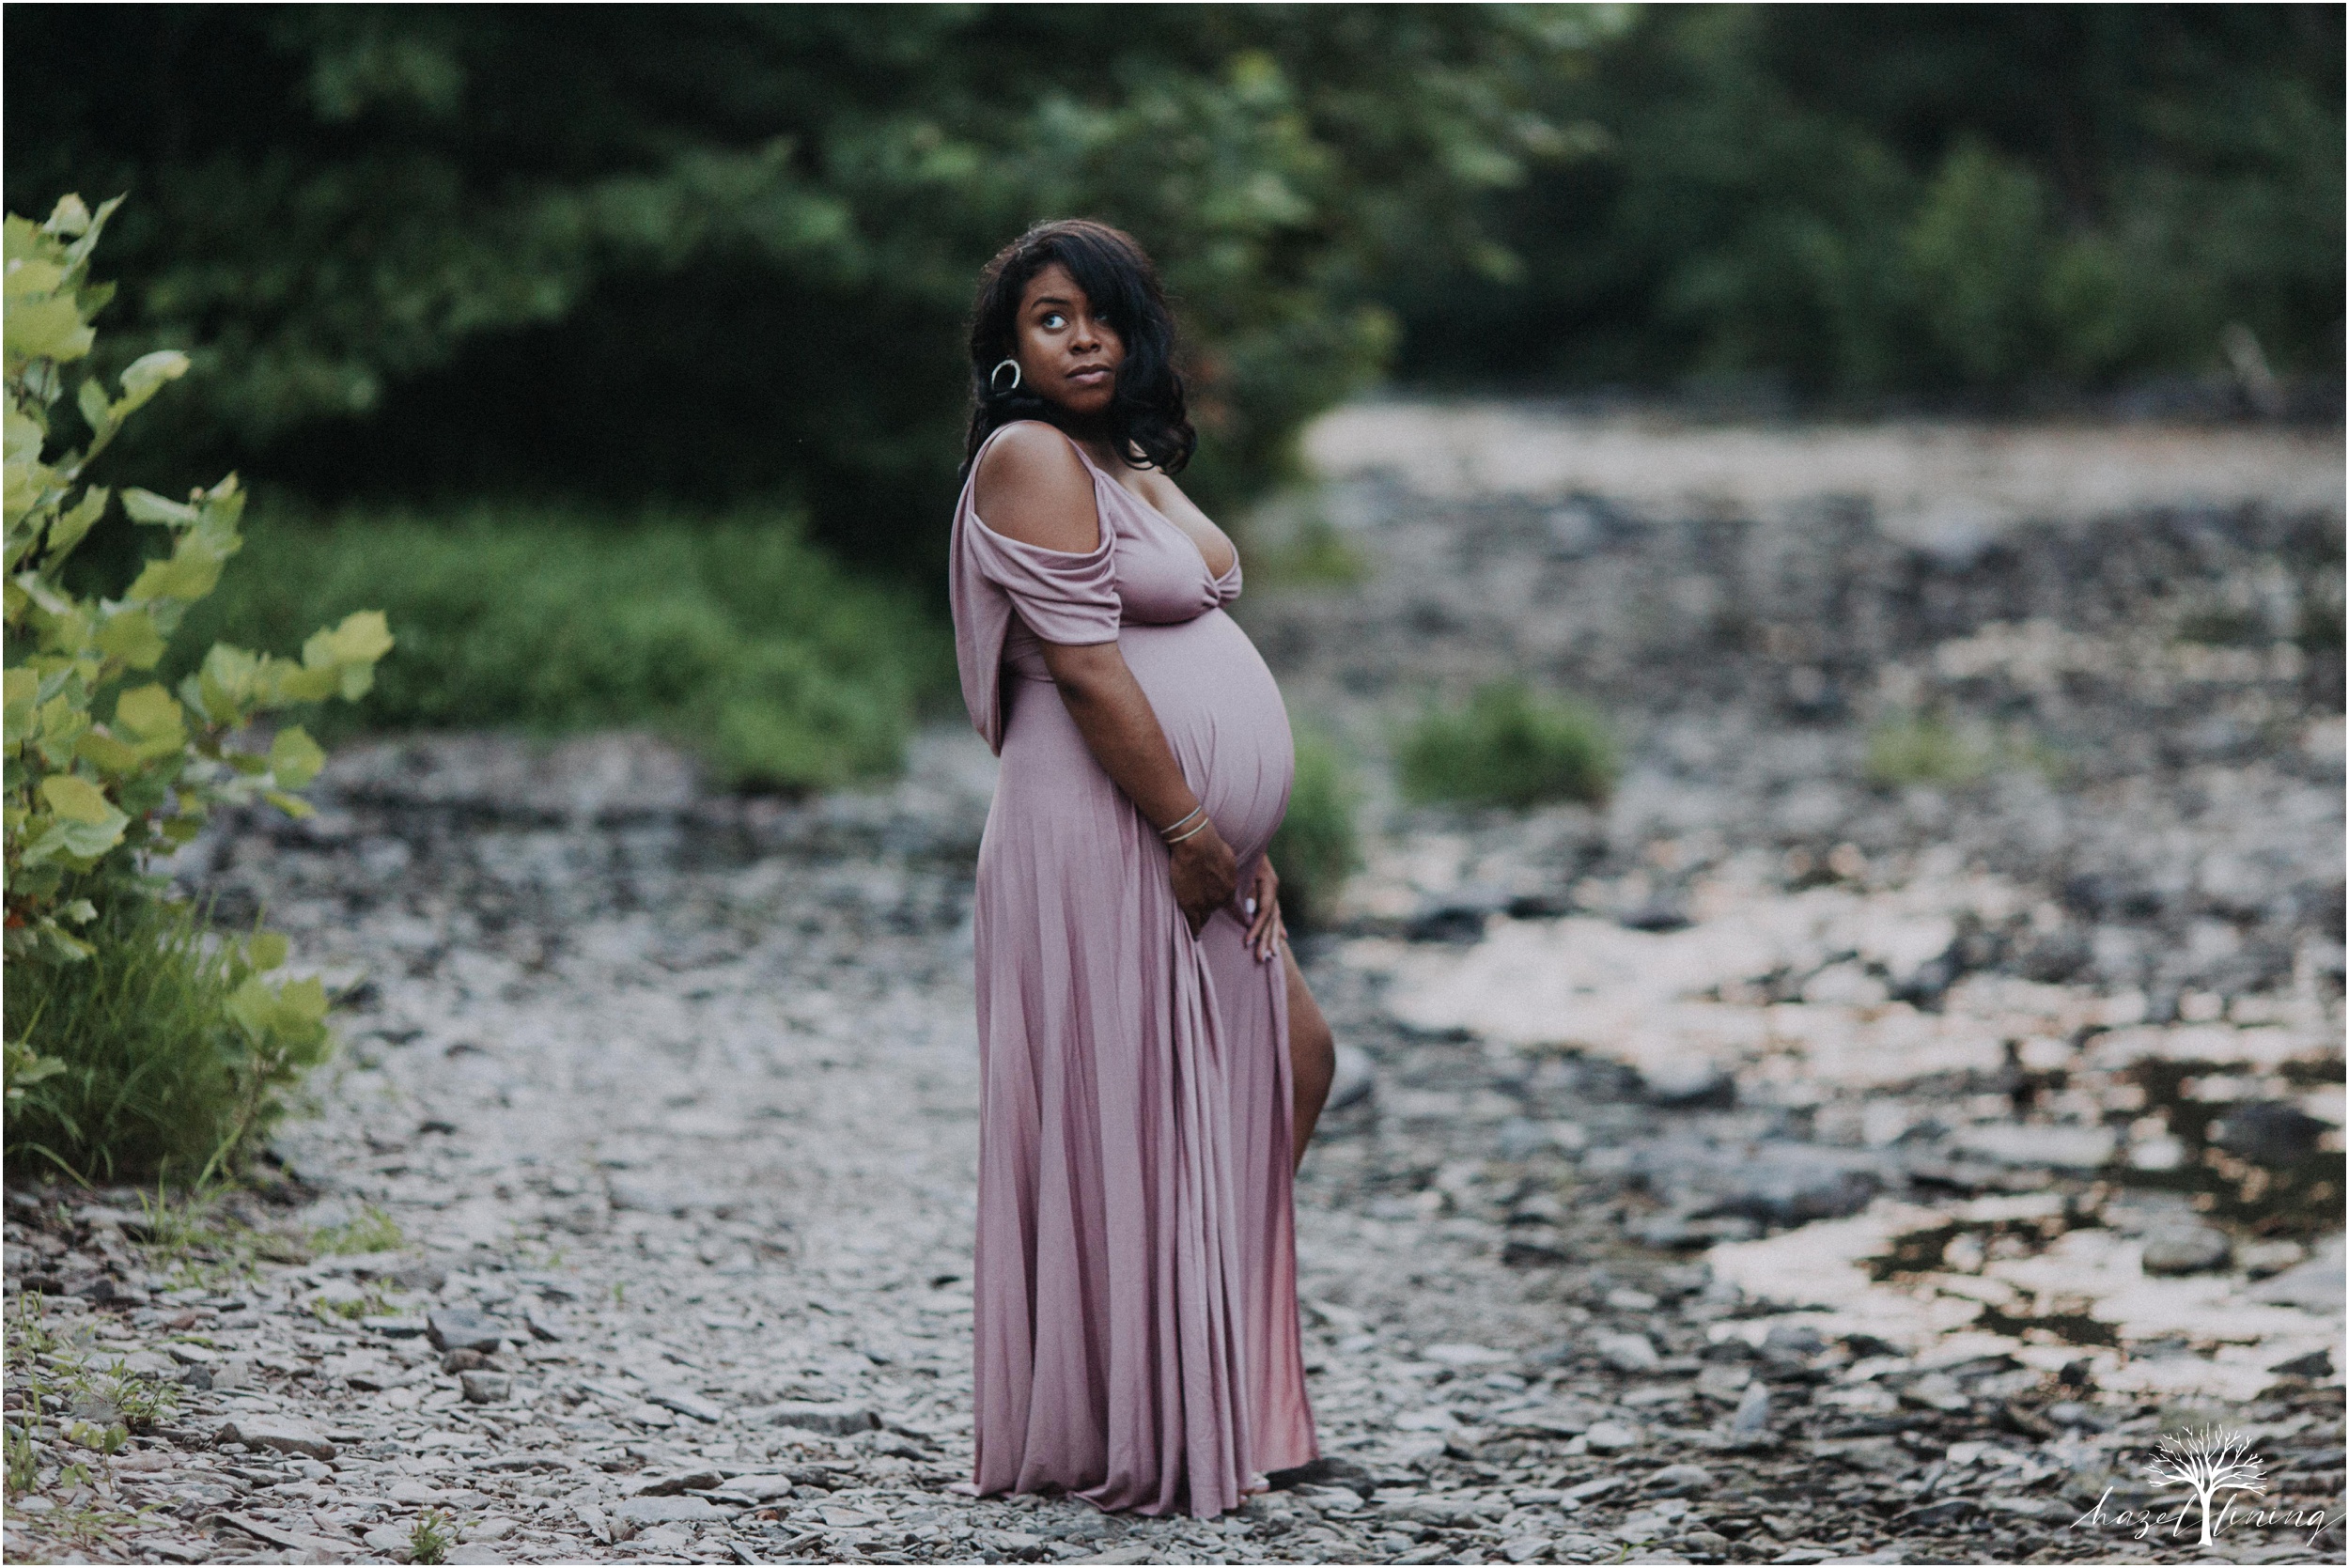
157 1079
1317 847
371 1231
1924 749
731 634
1509 746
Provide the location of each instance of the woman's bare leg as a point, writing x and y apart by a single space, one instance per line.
1313 1054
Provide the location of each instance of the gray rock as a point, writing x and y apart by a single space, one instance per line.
643 1512
1613 1438
277 1433
2314 1286
463 1328
839 1418
685 1403
682 1481
1629 1353
2194 1251
2268 1133
1752 1415
1680 1480
1689 1084
1355 1078
393 1326
544 1324
487 1388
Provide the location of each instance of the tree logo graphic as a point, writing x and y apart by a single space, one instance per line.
2208 1461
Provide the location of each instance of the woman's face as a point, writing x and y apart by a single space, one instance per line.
1067 355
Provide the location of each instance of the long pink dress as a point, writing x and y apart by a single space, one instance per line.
1134 1314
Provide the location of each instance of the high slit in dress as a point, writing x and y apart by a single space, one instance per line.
1134 1295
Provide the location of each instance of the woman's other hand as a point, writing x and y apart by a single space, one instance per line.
1263 910
1206 876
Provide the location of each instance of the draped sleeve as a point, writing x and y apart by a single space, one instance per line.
1064 595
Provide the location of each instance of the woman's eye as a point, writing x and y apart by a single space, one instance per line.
1055 319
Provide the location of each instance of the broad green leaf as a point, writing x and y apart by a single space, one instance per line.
147 506
33 274
84 841
294 684
76 799
51 329
130 635
363 637
266 951
146 375
151 712
109 756
192 572
67 529
294 758
91 401
292 805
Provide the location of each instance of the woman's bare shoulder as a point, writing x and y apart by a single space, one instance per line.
1030 486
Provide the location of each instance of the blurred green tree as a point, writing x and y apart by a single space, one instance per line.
702 251
1968 200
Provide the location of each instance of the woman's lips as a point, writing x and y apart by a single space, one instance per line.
1092 375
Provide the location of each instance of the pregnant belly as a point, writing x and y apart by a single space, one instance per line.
1222 713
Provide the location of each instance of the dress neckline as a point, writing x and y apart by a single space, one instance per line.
1213 576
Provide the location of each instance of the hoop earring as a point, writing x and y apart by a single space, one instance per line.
992 375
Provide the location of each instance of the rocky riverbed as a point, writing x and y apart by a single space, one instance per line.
1789 1163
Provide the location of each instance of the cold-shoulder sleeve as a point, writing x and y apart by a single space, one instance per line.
1064 595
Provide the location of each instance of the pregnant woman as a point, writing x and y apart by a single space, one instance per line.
1151 1061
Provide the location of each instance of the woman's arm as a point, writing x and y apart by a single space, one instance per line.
1031 488
1125 737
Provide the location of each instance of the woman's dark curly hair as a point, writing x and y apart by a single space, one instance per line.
1146 422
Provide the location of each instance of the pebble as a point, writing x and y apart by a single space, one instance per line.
698 1068
458 1328
2197 1251
1627 1353
277 1433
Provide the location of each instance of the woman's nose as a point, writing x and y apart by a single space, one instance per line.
1085 336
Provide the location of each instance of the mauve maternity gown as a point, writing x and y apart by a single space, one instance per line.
1135 1313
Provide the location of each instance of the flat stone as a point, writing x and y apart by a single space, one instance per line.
463 1328
393 1325
487 1388
2194 1250
644 1512
544 1325
277 1433
1752 1415
839 1418
683 1480
686 1404
1680 1480
1629 1353
1936 1390
388 1540
1613 1438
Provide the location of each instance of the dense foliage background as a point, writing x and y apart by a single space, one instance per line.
625 251
1984 203
633 253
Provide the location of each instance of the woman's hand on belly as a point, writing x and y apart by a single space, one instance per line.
1205 876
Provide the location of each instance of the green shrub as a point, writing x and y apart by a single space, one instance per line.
733 636
1509 747
1317 848
118 1068
172 1056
